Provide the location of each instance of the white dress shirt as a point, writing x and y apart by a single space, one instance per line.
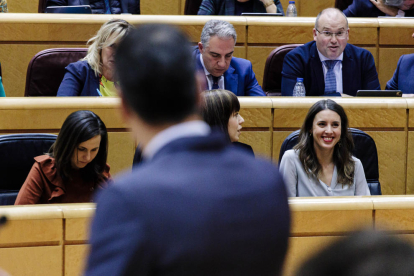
209 77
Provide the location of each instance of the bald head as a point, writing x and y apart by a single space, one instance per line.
330 13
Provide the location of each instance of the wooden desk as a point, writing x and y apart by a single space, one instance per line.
268 121
24 35
52 239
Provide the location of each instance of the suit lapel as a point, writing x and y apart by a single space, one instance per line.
230 80
347 65
317 73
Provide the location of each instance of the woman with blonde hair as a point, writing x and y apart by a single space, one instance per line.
94 74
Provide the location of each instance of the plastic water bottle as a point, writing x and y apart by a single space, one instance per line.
291 9
299 89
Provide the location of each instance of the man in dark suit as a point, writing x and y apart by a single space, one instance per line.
403 75
329 65
102 6
214 59
195 205
375 8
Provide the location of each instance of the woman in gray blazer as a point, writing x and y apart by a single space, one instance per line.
321 164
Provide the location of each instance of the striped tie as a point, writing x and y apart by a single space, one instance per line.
330 79
107 7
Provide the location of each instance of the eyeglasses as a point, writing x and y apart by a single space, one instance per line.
340 34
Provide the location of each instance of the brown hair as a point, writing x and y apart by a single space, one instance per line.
218 106
342 156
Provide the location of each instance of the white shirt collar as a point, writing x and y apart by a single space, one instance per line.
186 129
204 67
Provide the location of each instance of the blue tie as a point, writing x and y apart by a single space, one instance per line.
107 7
215 82
330 79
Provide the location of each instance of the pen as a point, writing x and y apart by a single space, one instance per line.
99 93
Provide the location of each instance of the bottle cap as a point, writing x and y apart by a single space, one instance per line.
291 2
299 79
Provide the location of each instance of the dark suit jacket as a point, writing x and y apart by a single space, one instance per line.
98 6
239 78
79 80
364 8
358 70
403 76
199 207
227 7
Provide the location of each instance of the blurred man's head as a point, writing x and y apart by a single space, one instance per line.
331 33
156 74
365 253
217 46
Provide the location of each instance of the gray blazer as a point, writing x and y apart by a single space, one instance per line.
299 184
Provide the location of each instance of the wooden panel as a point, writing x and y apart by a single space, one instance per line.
375 117
14 61
410 164
121 150
258 55
302 248
395 32
50 113
75 259
395 219
280 34
388 59
239 51
312 8
18 232
329 221
259 140
25 6
278 138
77 229
172 7
391 149
359 35
194 31
32 261
256 117
45 31
289 118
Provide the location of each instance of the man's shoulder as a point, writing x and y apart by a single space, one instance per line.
236 61
352 50
305 49
407 59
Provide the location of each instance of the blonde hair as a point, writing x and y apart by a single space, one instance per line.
110 33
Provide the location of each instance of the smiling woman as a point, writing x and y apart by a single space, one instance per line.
75 165
321 164
94 75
